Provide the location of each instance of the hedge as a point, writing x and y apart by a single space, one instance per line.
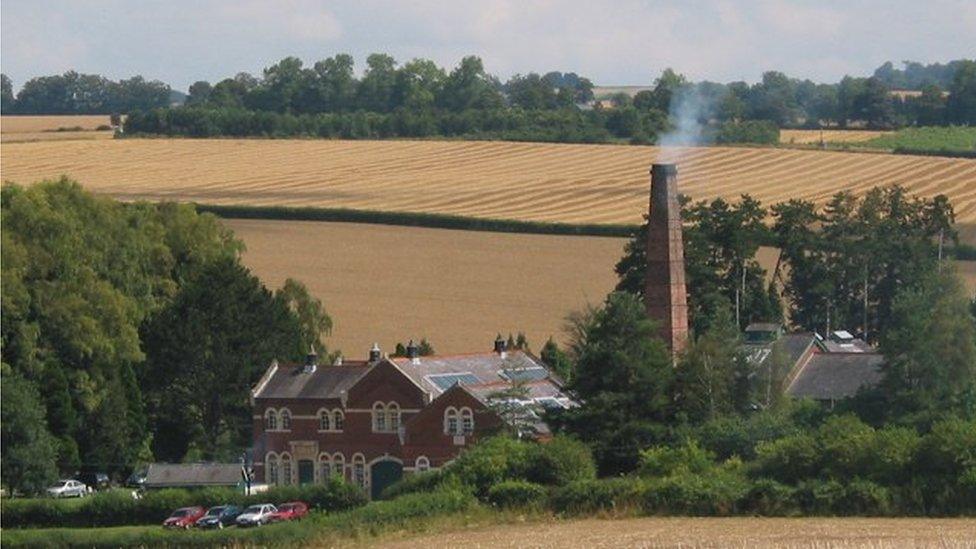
118 507
591 496
517 493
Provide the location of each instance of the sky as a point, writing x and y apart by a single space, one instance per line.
622 42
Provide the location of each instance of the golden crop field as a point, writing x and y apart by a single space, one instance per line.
527 181
737 532
15 129
458 288
807 137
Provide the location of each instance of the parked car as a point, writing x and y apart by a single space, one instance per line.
136 480
293 510
184 517
95 481
219 517
68 489
256 515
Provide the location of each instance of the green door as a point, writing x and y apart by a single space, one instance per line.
383 474
306 471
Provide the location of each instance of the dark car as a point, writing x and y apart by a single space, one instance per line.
219 517
136 480
293 510
184 517
95 481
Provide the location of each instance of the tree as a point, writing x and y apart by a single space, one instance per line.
7 100
557 360
468 86
873 104
622 375
930 350
375 91
531 92
961 106
204 353
28 449
666 87
199 93
930 107
314 322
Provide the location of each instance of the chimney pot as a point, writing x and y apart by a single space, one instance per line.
501 346
374 353
311 360
413 352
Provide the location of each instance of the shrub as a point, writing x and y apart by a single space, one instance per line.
715 493
111 508
492 461
789 459
427 481
770 498
517 493
863 497
338 495
660 461
560 461
819 497
893 454
847 444
590 496
156 505
737 436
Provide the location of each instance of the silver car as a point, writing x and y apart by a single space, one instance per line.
68 489
256 515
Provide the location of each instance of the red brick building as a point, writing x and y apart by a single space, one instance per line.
370 421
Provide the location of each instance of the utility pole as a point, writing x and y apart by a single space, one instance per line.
864 318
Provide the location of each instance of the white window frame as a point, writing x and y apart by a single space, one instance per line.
272 469
339 465
379 417
359 460
285 417
286 473
338 420
270 419
392 417
466 425
452 421
325 468
324 417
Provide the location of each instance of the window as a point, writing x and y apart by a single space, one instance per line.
379 418
422 464
393 416
271 469
324 420
271 420
359 470
285 419
467 421
338 420
339 466
285 469
325 468
450 421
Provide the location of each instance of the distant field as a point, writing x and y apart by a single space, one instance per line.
935 139
807 137
526 181
15 129
458 288
739 532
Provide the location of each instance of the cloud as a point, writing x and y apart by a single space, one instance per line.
612 42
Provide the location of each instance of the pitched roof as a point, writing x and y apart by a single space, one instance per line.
483 373
793 347
291 381
161 475
833 376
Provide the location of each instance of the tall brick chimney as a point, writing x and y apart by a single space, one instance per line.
664 284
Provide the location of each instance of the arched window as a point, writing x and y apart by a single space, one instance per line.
271 420
359 471
467 421
379 418
324 420
271 469
325 468
422 464
285 469
451 421
285 419
393 417
338 420
339 466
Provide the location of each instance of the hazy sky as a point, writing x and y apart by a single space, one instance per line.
619 42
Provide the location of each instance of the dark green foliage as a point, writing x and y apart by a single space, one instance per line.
29 451
517 493
560 461
715 493
769 498
622 374
557 360
762 132
789 458
663 461
74 93
592 496
426 481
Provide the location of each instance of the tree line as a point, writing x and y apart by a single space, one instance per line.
418 99
119 324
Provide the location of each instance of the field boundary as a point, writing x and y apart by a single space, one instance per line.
416 219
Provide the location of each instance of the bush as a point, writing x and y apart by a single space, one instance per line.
427 481
847 444
863 497
661 461
819 497
590 496
517 493
492 461
715 493
789 459
737 436
111 508
560 461
770 498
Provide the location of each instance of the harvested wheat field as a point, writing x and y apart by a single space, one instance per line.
14 129
527 181
807 137
821 533
458 288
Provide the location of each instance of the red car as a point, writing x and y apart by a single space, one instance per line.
184 517
292 510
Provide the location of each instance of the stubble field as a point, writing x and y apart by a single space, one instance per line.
808 137
524 181
14 129
793 533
